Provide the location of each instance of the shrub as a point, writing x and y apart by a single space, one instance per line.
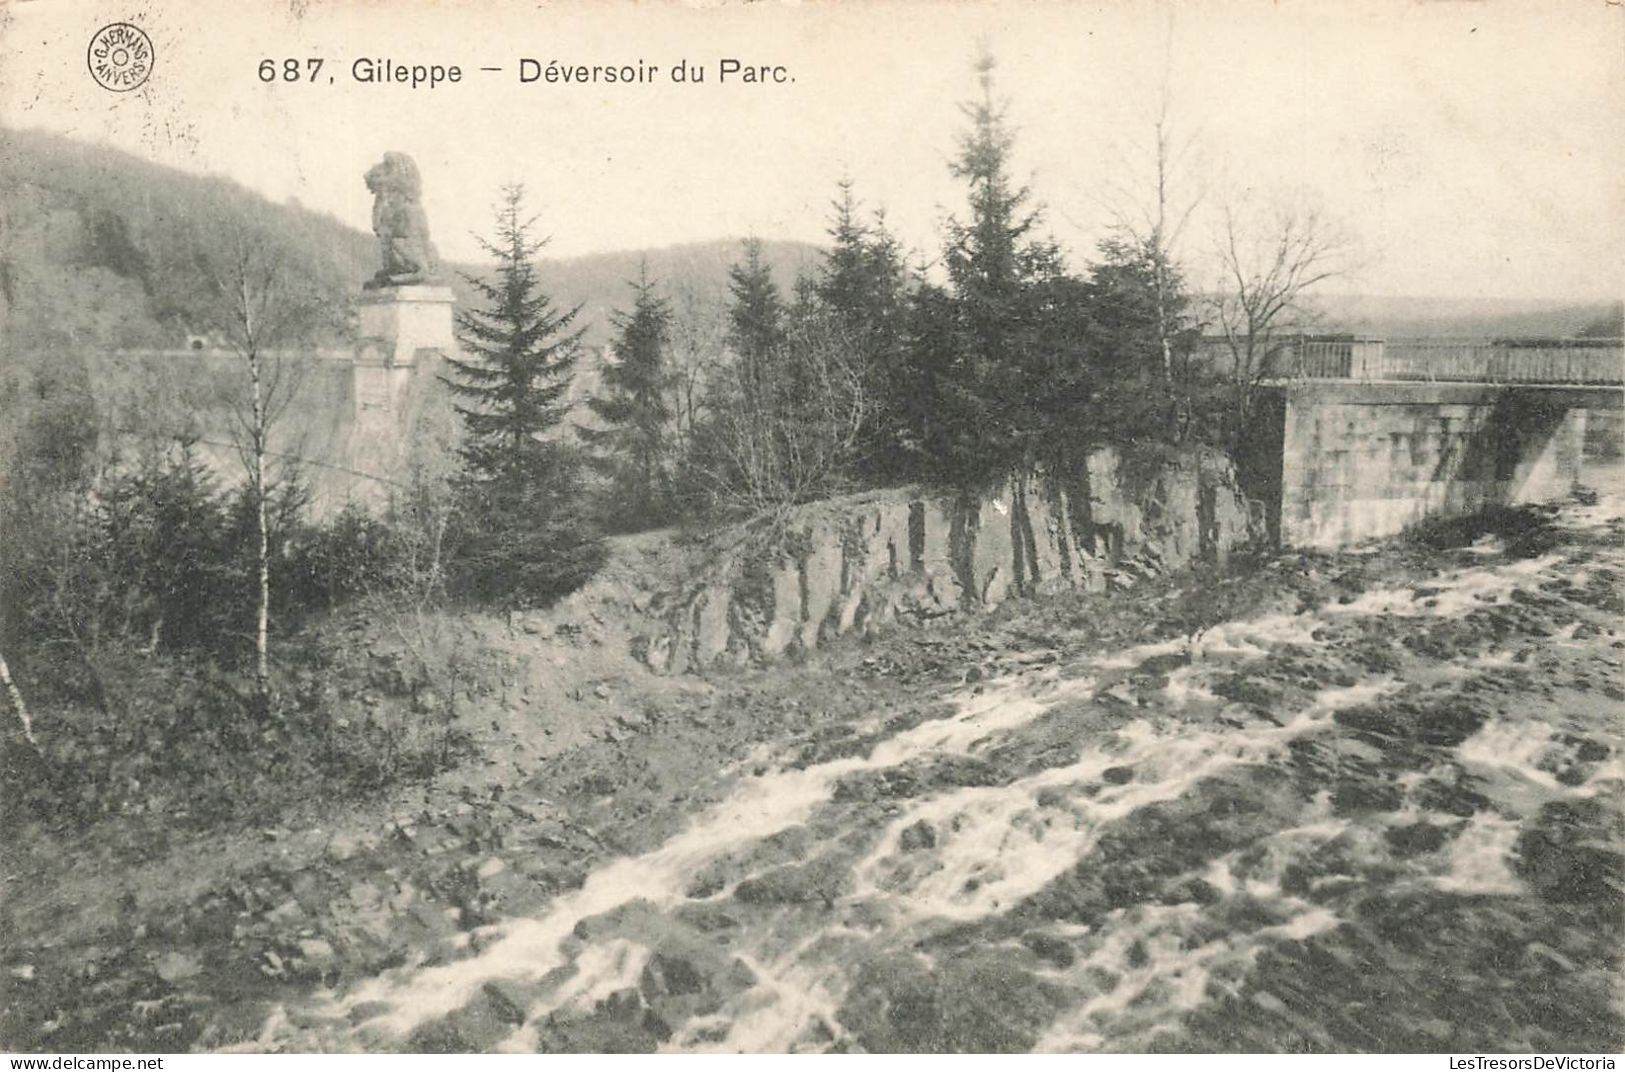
178 739
522 541
352 555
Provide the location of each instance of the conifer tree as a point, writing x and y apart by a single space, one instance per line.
890 277
845 279
1004 324
521 352
635 405
863 286
1141 331
522 537
864 279
991 259
756 330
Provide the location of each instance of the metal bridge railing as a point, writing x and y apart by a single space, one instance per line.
1553 361
1600 361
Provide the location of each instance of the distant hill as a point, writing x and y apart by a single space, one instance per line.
85 229
89 230
1396 317
694 279
696 272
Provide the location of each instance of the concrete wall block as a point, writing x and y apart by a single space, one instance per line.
1356 469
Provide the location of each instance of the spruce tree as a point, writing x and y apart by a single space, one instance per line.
990 258
756 330
863 286
521 353
844 283
890 278
1000 278
863 280
635 406
522 537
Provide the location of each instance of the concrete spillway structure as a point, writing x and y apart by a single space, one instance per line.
406 332
1339 461
355 422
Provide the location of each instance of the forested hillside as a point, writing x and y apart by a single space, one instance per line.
89 232
95 247
92 236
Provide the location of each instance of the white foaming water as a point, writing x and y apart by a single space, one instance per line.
1159 971
528 948
758 808
1513 746
1609 482
762 806
992 847
601 970
1254 637
1515 750
1128 658
1478 861
789 995
1451 593
1185 687
1338 697
998 844
1249 638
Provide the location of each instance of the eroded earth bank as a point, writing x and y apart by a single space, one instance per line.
1357 801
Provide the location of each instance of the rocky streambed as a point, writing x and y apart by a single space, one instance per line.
1380 811
1357 801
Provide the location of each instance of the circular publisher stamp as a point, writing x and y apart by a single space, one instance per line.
120 57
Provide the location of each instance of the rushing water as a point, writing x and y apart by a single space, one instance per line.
1112 864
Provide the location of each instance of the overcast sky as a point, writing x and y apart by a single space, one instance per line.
1469 149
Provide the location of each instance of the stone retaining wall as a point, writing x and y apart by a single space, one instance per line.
907 554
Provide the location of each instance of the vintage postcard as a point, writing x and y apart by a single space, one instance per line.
896 527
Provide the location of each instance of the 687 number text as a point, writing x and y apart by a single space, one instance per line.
291 70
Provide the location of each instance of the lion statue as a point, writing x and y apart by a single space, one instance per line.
398 221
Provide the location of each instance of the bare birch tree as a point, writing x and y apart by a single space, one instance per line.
18 707
764 454
262 310
1152 204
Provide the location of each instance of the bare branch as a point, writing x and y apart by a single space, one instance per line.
1269 264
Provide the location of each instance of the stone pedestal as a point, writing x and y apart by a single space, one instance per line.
397 322
405 331
399 325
